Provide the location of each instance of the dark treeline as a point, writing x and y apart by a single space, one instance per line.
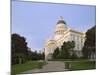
89 49
35 55
20 52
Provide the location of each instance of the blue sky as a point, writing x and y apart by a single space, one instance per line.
37 21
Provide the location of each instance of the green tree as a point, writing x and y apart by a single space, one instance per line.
43 56
65 53
34 55
19 49
20 57
56 53
67 49
90 43
72 45
74 55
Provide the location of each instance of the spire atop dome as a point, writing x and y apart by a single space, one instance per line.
61 20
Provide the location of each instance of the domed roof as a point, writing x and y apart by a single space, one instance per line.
61 20
61 24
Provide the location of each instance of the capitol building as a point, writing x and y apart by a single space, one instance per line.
63 33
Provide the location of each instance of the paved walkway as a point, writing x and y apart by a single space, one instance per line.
52 66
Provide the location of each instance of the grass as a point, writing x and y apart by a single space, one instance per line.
80 59
80 65
18 68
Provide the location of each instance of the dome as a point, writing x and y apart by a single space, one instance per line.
61 25
60 28
61 20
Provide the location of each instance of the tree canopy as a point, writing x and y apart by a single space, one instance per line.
65 51
56 53
19 48
90 43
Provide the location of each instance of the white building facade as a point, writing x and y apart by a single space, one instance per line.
63 34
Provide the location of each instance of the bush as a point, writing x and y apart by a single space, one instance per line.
74 56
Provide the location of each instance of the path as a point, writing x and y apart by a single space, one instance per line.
52 66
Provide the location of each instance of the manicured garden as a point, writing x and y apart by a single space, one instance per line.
80 65
19 68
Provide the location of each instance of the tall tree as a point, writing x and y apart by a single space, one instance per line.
72 44
19 48
67 49
90 43
56 53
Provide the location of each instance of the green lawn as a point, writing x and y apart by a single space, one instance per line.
18 68
81 65
69 59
